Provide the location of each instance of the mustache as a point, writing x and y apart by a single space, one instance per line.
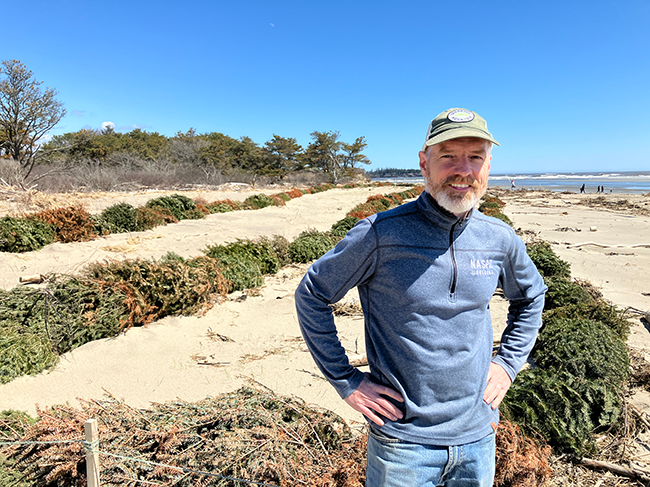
459 180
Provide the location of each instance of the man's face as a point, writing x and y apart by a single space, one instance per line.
456 172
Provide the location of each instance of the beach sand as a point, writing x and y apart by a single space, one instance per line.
255 335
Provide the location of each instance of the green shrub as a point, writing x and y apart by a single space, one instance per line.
596 310
14 424
154 289
563 409
563 292
24 234
178 204
119 218
383 203
194 214
546 260
23 352
504 218
277 201
262 252
11 475
281 248
151 217
414 192
257 201
371 206
490 207
584 348
342 227
284 196
491 203
241 272
311 245
219 208
395 198
37 325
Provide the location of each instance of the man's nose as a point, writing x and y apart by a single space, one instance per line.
463 166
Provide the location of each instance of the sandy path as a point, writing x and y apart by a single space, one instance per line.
161 362
188 237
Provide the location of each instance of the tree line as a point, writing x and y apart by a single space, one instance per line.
393 172
28 113
275 158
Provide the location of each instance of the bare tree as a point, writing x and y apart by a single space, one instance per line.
27 113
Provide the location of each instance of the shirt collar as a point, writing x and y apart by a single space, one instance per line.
438 214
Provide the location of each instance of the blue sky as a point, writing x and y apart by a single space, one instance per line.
564 85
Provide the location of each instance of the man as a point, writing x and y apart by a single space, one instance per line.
425 273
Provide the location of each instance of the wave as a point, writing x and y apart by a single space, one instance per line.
574 176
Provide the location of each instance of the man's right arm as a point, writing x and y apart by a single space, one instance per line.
351 262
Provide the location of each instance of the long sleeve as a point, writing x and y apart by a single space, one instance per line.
525 289
327 281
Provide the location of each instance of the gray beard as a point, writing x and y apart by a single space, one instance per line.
455 205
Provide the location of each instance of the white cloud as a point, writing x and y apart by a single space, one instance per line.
108 125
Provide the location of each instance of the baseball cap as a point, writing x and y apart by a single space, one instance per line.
455 123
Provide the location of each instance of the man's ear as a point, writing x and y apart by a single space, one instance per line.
423 163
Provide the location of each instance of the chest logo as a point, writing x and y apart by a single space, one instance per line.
482 267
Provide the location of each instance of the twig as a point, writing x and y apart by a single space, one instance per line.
617 469
327 453
241 457
639 414
359 362
605 246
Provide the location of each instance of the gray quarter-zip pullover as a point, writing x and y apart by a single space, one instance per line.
425 280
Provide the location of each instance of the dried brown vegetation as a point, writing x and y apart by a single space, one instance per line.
71 224
520 461
249 434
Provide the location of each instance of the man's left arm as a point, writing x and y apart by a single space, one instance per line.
525 289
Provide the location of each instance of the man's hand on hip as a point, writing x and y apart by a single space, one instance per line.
498 383
368 400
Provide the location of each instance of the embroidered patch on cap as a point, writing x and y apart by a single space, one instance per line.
460 115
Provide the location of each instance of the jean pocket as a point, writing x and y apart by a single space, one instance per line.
382 438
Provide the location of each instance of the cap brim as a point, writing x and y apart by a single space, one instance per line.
456 134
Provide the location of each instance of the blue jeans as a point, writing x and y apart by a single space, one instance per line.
396 463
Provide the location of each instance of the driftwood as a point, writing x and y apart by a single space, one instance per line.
617 469
359 362
605 246
36 279
645 315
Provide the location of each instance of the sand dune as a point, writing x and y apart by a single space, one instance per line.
256 334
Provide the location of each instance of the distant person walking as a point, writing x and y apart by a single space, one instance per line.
582 188
512 184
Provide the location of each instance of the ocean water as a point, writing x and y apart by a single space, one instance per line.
613 182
